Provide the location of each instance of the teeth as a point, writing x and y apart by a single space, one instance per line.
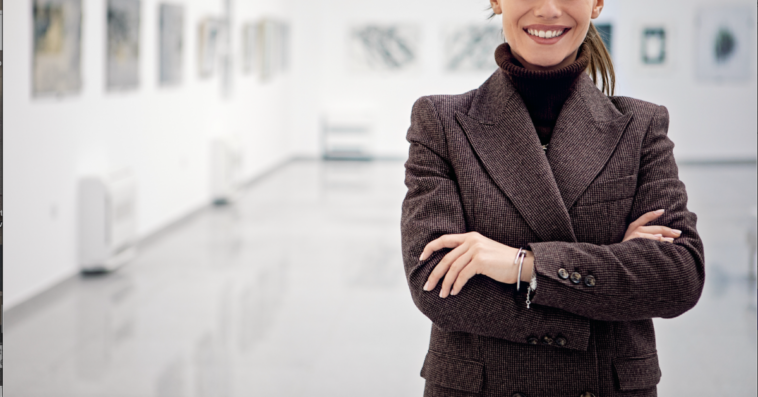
545 34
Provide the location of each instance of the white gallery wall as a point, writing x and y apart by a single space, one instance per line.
162 134
709 120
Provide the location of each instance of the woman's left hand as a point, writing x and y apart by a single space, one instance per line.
473 254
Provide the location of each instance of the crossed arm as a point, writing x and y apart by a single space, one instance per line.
657 271
474 254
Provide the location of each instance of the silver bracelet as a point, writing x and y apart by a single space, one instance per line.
521 255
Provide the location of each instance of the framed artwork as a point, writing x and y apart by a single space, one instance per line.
273 47
122 53
471 48
725 43
268 49
653 46
57 47
250 48
171 44
392 48
209 43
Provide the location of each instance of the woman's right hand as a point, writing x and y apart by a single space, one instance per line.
637 229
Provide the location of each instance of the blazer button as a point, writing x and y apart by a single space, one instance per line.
563 273
532 340
546 340
576 278
587 394
561 341
590 281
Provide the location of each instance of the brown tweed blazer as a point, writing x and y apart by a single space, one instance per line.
475 164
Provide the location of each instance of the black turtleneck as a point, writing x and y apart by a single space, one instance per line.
543 92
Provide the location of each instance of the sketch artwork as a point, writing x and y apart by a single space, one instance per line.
471 48
725 42
272 48
57 47
171 45
122 56
250 58
384 47
209 43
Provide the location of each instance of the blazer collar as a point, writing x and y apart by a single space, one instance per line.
543 186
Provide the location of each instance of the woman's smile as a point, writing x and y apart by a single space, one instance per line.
546 34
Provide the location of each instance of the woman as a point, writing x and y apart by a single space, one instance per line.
537 176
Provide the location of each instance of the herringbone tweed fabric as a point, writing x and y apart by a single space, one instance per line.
475 164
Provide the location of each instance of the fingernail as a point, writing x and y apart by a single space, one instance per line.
426 286
668 240
677 232
659 211
453 292
658 235
441 295
421 258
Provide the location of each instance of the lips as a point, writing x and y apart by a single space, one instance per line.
546 34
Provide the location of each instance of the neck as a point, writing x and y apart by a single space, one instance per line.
544 91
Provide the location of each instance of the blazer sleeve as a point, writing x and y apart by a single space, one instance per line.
432 208
639 278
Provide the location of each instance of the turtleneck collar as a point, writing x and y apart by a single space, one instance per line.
543 92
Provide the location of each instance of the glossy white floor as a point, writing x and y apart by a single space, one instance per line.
298 290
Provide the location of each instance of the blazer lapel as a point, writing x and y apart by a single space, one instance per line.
586 134
503 136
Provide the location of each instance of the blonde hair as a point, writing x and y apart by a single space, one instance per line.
600 67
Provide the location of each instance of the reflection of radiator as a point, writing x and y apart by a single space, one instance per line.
226 164
107 221
347 135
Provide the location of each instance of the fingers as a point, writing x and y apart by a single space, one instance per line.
459 265
443 266
656 237
446 241
645 219
463 277
662 230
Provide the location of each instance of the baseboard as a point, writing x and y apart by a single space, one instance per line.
745 161
13 302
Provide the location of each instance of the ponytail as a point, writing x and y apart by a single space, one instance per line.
600 67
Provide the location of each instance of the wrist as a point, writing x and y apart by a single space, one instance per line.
528 268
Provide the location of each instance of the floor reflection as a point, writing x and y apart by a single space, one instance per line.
298 289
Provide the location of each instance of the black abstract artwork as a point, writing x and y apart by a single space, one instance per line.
391 47
724 45
470 48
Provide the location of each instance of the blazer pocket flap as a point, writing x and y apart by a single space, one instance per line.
636 373
609 190
453 373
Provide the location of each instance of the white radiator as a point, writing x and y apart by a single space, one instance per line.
107 221
226 165
348 134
